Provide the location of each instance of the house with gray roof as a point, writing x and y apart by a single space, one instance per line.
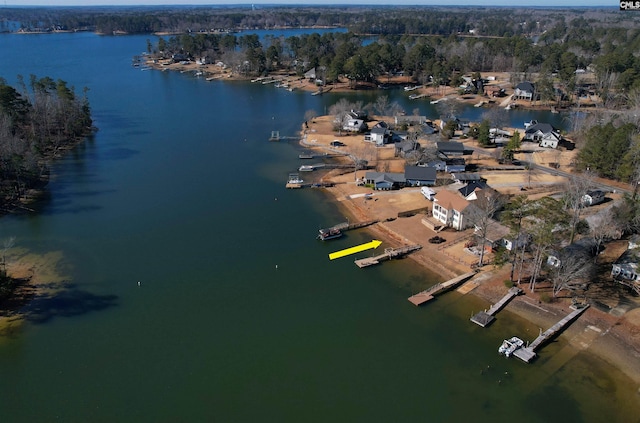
544 134
524 91
469 190
450 148
378 135
405 147
626 269
385 180
419 175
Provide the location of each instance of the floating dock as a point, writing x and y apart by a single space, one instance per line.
428 294
529 353
312 167
346 226
389 253
485 318
320 155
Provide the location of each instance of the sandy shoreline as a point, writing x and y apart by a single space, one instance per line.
614 339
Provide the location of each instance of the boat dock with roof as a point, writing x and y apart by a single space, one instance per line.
485 318
428 294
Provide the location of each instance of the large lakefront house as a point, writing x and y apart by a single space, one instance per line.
449 209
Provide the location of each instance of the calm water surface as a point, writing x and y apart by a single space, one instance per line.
239 315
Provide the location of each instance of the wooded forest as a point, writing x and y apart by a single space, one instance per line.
36 123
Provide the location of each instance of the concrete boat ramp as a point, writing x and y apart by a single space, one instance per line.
528 353
485 318
428 294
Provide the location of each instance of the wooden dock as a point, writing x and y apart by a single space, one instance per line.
346 226
306 156
529 353
485 318
389 253
428 294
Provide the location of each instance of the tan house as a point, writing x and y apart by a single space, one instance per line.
449 208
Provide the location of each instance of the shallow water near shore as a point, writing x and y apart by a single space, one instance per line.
201 294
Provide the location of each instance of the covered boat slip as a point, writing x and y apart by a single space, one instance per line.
485 318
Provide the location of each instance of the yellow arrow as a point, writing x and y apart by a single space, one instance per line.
362 247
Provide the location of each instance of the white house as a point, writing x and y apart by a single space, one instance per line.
524 91
626 269
544 134
354 125
449 209
378 135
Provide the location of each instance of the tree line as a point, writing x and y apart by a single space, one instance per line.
37 121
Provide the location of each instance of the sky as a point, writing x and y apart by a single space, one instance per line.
612 3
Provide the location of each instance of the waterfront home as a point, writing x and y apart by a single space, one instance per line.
524 91
449 209
625 269
593 197
354 125
583 249
385 180
498 235
419 175
544 134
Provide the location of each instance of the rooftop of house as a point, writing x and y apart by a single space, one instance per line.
451 201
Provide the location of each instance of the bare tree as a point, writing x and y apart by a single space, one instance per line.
449 108
310 115
574 270
545 224
576 188
381 105
497 116
604 226
516 210
481 215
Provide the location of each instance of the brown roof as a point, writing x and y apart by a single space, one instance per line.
451 201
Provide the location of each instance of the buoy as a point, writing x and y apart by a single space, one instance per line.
138 283
276 266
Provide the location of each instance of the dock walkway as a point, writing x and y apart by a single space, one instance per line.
529 353
485 318
428 294
389 253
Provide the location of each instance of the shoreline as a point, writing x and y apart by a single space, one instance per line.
611 347
614 340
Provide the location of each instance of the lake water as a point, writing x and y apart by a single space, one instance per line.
239 315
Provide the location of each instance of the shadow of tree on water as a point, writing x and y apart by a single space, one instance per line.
68 302
43 303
